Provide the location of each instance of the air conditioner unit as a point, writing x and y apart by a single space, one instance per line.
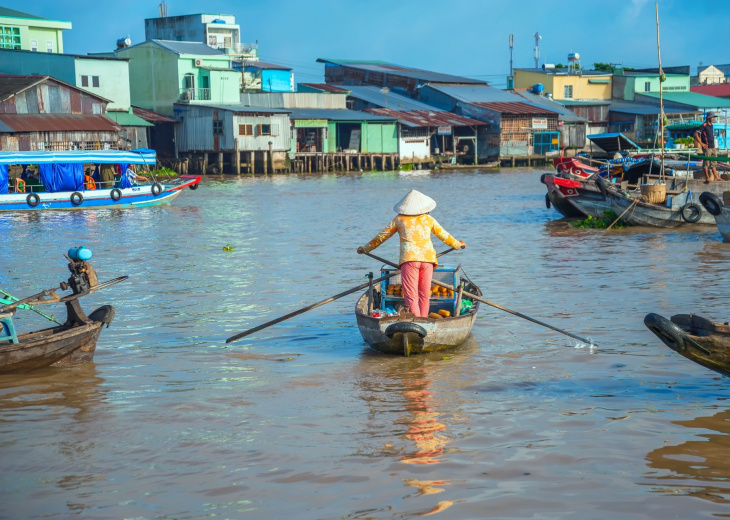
198 62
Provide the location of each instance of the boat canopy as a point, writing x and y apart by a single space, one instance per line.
139 156
614 142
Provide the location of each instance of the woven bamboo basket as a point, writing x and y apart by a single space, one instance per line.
654 193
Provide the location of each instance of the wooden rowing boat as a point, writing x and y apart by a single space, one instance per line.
406 334
716 207
68 344
705 342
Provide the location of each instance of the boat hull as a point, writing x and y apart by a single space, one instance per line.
559 191
440 334
700 340
134 197
45 347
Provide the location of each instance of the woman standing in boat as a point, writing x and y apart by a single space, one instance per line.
417 256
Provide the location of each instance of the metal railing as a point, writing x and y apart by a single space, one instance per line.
195 94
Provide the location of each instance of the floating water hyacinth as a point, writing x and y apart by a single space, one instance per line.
229 248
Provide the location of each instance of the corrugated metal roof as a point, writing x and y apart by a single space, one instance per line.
127 119
265 65
324 87
421 118
193 48
395 101
566 72
515 108
719 90
477 93
336 115
58 123
564 114
630 107
152 117
12 84
585 102
384 67
235 108
692 99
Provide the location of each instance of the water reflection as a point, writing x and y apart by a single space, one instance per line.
416 412
698 467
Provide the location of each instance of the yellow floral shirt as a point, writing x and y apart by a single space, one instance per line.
415 238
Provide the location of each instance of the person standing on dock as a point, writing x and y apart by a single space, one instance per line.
705 135
417 260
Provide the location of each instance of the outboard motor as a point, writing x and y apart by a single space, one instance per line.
83 277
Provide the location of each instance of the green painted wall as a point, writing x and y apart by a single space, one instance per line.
157 78
113 80
637 85
40 30
330 145
379 138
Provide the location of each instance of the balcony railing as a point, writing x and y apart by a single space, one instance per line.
247 49
195 94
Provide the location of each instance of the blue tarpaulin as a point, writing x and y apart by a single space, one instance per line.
62 176
126 182
3 179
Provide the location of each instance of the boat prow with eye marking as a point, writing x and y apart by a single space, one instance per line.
404 333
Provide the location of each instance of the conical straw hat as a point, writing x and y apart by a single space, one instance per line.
415 203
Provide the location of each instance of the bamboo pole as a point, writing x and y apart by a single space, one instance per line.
661 93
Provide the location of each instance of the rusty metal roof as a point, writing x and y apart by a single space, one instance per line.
324 87
12 84
150 116
515 108
420 118
57 123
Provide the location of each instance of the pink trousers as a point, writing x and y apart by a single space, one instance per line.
416 282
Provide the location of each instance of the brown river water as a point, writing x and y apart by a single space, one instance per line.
303 421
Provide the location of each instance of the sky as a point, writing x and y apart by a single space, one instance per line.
462 37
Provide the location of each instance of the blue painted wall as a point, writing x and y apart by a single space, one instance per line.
276 80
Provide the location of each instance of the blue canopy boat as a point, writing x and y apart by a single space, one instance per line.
61 176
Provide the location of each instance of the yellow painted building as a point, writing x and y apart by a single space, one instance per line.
589 85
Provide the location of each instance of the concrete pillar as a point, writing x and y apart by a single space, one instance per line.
266 163
220 162
237 160
252 163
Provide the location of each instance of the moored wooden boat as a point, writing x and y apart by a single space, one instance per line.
406 334
558 192
71 343
715 207
705 342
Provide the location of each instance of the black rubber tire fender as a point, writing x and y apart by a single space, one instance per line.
548 204
33 200
115 194
156 189
405 327
77 198
691 213
194 186
665 330
542 177
601 183
711 202
104 314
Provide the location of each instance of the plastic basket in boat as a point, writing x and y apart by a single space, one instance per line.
654 193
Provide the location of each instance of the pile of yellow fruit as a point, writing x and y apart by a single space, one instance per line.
395 290
441 292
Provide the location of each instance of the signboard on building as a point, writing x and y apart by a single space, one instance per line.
445 130
539 124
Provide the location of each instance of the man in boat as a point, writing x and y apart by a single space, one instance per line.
107 176
705 135
133 177
417 260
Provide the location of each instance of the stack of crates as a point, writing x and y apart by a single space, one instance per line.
443 274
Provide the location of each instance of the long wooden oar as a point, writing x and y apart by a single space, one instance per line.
495 305
318 304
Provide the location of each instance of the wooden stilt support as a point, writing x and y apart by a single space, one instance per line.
205 163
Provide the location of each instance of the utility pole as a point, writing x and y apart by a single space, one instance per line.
537 49
511 46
